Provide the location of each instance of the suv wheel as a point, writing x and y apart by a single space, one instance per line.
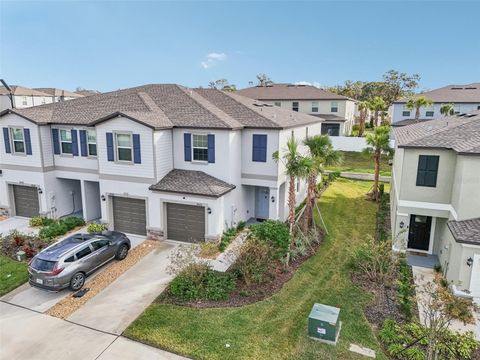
122 252
77 281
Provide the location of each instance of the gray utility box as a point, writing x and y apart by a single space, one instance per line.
324 324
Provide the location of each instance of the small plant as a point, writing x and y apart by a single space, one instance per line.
438 268
72 222
208 250
254 262
96 228
406 289
372 259
36 221
241 225
29 251
275 233
227 237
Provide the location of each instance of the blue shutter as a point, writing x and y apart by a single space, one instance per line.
211 148
259 151
56 142
109 146
187 146
137 158
6 139
83 143
74 142
28 142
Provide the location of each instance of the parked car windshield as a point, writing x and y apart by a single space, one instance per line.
43 265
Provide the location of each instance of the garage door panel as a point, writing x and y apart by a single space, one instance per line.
129 215
185 222
26 200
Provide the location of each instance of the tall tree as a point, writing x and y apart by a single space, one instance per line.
398 84
447 109
222 84
377 104
378 144
363 112
322 154
417 103
297 167
264 80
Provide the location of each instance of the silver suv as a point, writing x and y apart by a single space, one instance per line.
68 262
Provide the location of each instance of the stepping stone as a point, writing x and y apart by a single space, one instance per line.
362 351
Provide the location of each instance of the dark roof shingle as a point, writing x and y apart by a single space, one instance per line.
289 92
465 231
469 93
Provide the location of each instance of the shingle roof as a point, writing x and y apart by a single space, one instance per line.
330 117
465 231
289 92
21 91
458 133
58 92
166 106
469 93
192 182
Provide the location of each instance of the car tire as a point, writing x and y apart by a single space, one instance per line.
122 252
77 281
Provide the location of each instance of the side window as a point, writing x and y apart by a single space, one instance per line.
295 106
334 106
427 170
314 106
66 141
83 252
99 244
70 259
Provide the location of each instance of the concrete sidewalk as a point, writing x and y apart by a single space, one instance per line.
17 223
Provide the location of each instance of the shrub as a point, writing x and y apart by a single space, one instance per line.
303 243
254 261
227 237
438 268
241 225
456 307
200 282
275 233
36 221
372 259
208 250
96 228
52 231
72 222
406 289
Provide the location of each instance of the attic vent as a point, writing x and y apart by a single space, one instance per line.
470 88
457 88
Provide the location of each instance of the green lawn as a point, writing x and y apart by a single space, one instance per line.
360 163
276 328
12 274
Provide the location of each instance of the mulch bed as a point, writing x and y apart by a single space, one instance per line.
244 295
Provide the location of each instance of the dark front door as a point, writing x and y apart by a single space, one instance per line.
419 232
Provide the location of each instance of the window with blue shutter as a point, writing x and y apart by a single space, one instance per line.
56 142
187 146
427 170
74 142
259 152
137 158
28 141
211 148
83 143
6 140
110 156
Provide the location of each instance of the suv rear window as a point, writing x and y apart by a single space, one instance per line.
43 265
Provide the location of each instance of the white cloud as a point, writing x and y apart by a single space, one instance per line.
212 59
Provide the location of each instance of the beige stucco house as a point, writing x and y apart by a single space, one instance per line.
435 195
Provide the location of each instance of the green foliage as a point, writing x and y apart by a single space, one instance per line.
38 221
72 222
96 228
273 232
372 259
253 265
383 216
406 289
227 237
200 282
303 243
438 268
60 227
208 250
13 274
241 225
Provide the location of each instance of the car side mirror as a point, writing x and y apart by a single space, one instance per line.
110 243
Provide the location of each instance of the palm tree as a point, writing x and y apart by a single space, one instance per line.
322 154
363 109
297 167
377 104
379 143
447 109
417 103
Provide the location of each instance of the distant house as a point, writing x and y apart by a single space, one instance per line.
435 195
465 98
337 110
86 92
59 94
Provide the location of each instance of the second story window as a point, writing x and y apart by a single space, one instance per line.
405 111
334 106
18 140
124 147
91 143
295 106
259 150
24 100
315 106
278 103
66 141
200 147
427 170
429 111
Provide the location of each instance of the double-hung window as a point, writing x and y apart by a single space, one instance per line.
405 111
200 147
429 112
278 103
18 140
427 170
124 146
92 143
295 105
334 106
315 106
66 141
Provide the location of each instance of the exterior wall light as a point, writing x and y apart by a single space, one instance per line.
469 261
103 197
40 191
209 211
273 199
402 224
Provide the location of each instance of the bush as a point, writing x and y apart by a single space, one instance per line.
227 237
37 221
60 227
208 250
372 259
241 225
200 282
275 233
72 222
254 261
406 289
96 228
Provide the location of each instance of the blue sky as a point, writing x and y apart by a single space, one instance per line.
107 45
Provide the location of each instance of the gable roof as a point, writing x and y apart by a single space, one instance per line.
469 93
465 231
289 92
460 133
21 91
58 92
167 106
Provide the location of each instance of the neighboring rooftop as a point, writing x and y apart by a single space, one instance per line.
330 117
460 133
289 92
167 106
58 92
193 183
86 92
465 231
22 91
451 94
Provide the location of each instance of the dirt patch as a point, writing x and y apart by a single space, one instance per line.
67 306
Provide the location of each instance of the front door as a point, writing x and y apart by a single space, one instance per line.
419 232
261 202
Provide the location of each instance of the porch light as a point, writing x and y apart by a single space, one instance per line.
402 224
209 211
469 261
40 191
103 198
273 199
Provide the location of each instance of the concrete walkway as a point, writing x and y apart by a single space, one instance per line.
362 176
17 223
29 335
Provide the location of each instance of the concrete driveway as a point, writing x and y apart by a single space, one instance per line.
16 223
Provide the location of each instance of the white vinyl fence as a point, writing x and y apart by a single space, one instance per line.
347 143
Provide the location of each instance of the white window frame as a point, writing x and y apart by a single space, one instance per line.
315 105
199 147
336 106
91 143
13 141
64 141
117 154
